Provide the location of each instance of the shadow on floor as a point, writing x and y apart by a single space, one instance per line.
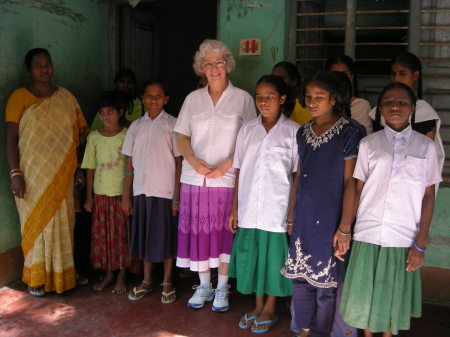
83 312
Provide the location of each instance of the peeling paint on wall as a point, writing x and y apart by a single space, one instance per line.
54 7
239 6
274 51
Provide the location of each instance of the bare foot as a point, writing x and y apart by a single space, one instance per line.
262 317
105 283
120 287
121 283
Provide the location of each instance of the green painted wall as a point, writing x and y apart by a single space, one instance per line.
76 34
237 21
438 251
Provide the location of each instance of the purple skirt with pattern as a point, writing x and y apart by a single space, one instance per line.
204 239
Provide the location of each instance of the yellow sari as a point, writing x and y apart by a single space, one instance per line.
48 137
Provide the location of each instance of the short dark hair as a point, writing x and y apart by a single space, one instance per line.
115 99
32 53
291 70
125 72
158 81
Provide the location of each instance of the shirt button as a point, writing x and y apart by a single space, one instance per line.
305 175
317 222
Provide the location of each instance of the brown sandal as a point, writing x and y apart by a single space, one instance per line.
166 297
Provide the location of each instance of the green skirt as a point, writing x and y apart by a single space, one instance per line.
379 294
256 260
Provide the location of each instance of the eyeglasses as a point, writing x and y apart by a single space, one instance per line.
211 65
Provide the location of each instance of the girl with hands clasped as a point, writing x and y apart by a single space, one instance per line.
321 207
105 165
396 171
153 174
265 158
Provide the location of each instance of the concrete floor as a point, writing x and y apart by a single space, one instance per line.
84 312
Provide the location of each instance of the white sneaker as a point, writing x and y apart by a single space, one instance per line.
220 303
202 294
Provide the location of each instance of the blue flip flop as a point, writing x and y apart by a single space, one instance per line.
269 322
247 321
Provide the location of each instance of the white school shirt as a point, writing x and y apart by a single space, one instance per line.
360 112
425 112
266 162
152 146
213 130
395 167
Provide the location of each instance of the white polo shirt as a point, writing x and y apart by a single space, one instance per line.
152 146
396 167
213 130
266 162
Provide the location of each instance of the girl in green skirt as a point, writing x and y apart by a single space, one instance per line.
265 159
396 171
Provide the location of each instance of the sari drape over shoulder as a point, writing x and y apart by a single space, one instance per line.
49 134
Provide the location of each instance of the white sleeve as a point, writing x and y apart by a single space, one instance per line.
361 171
372 113
295 156
175 150
184 117
128 144
361 114
433 169
239 149
249 109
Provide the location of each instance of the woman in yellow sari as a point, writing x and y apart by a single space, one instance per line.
44 125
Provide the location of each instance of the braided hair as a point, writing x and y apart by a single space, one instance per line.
345 89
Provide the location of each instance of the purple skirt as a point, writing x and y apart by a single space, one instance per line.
204 239
153 229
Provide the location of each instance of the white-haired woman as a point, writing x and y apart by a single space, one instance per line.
207 127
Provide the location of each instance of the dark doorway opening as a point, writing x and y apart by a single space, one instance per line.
160 37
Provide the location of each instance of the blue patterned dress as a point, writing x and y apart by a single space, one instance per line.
319 202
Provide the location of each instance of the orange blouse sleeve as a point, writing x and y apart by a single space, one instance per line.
16 105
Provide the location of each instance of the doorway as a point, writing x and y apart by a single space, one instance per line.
159 38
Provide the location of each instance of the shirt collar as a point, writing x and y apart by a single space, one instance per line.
226 92
390 133
283 120
163 114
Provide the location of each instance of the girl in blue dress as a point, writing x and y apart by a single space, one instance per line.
321 207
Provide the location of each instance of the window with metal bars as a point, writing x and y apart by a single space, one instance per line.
374 31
